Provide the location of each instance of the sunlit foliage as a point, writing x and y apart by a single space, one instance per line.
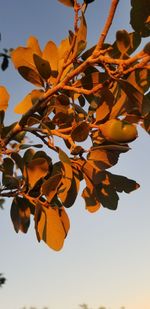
93 100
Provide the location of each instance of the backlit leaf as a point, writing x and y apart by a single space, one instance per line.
23 106
31 76
105 104
10 182
89 195
121 183
4 98
23 57
146 104
90 80
123 41
33 43
50 53
65 220
135 97
20 214
72 192
8 166
80 132
103 159
146 123
107 196
139 17
35 169
28 155
135 40
18 160
67 175
140 79
50 186
50 228
42 66
63 53
81 37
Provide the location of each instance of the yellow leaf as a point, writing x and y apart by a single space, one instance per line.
4 98
23 106
33 43
23 57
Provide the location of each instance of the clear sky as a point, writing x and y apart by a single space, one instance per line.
106 256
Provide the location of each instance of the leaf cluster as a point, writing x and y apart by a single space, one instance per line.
78 94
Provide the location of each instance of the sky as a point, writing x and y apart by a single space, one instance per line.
106 256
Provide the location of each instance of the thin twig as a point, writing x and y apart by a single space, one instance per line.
108 23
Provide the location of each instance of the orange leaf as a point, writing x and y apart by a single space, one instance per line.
36 169
49 187
65 220
23 56
67 175
4 98
50 228
33 43
23 106
50 53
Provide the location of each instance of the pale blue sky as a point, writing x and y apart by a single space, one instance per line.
106 256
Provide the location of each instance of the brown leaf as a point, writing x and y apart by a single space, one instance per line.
42 66
80 132
67 175
103 159
72 192
105 105
135 97
123 41
31 76
89 195
20 214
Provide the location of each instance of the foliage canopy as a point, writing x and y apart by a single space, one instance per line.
100 95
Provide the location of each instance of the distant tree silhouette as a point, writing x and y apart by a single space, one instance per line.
2 280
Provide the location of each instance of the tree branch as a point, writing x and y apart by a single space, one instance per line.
105 30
